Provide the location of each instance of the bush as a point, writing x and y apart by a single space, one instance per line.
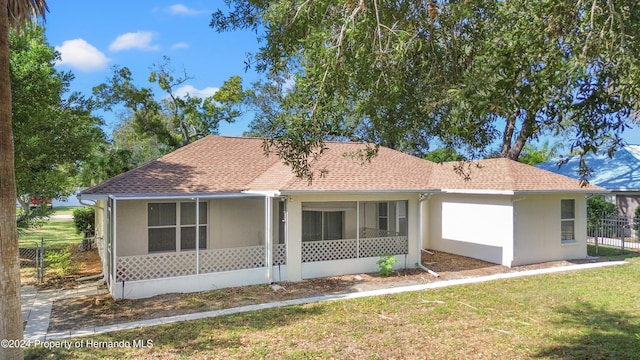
85 220
598 208
60 261
386 264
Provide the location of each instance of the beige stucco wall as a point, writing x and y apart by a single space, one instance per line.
477 226
503 229
537 229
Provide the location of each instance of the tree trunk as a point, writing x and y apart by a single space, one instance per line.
529 126
10 310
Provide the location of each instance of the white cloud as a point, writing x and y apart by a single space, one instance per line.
138 40
180 45
180 9
193 92
81 55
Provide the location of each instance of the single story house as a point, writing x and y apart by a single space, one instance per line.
620 174
220 213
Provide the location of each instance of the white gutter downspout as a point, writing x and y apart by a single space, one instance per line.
420 228
268 237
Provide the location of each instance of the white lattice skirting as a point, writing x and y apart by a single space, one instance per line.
330 250
156 266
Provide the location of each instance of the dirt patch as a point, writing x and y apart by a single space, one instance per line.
89 311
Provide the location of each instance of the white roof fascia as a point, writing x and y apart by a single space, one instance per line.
478 191
267 193
179 196
92 197
356 192
558 191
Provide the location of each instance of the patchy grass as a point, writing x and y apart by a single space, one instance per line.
611 252
587 314
61 232
64 210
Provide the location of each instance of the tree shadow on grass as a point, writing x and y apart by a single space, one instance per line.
228 333
588 332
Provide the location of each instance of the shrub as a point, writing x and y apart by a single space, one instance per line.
598 208
84 219
386 264
60 261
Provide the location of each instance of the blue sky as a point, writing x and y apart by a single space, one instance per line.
93 36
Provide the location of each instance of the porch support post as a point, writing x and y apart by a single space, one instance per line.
114 246
358 229
268 237
197 235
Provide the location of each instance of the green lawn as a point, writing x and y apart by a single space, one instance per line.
59 231
591 314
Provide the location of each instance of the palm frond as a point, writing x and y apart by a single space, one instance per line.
25 11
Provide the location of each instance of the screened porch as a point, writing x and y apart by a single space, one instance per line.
353 230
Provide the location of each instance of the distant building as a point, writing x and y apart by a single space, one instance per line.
619 174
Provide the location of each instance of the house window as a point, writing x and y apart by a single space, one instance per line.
567 220
165 231
322 225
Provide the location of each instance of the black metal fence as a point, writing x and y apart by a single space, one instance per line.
615 231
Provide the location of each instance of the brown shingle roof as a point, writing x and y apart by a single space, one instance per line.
217 164
503 175
211 165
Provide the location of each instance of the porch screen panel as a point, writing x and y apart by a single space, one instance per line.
311 225
161 214
383 216
162 239
333 225
161 219
188 228
188 213
403 226
188 238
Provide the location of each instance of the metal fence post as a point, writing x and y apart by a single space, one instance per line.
40 262
597 228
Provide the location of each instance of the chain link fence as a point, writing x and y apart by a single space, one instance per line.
51 254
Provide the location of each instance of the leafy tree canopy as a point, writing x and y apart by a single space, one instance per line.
443 155
176 120
53 133
469 73
533 155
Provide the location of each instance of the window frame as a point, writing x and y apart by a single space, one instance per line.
564 219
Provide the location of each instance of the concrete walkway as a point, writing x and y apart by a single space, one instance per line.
37 305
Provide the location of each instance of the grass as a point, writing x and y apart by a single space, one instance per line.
590 314
62 232
609 252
